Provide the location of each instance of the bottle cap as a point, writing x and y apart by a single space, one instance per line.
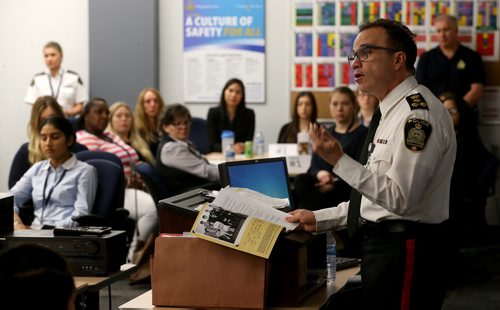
227 134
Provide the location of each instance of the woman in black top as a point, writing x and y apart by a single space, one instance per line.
319 187
305 112
231 114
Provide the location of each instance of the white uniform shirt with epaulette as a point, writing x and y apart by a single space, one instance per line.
408 173
66 87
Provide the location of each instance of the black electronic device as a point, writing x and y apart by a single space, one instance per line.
87 255
268 176
81 231
6 213
346 262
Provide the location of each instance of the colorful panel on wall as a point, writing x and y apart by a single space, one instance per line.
327 13
303 45
326 75
371 10
303 14
325 43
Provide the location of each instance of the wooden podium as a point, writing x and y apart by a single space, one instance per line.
297 263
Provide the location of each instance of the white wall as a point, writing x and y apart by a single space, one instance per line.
23 32
271 115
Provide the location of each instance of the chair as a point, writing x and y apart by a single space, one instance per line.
87 155
155 183
198 134
108 205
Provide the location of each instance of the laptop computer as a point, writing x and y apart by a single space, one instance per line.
268 176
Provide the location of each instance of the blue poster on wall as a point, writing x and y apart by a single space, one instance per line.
223 40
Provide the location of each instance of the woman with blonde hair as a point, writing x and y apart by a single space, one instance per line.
30 152
65 86
147 116
121 123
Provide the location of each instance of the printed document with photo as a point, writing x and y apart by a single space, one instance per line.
242 219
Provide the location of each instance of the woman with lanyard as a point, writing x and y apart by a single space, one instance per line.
139 203
60 187
64 85
319 187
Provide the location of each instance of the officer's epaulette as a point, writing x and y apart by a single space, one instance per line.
40 73
79 79
416 102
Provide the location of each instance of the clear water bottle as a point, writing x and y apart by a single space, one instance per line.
331 254
260 144
227 138
229 153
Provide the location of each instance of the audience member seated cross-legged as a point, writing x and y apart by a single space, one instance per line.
367 106
305 113
319 187
147 115
61 186
30 152
35 277
231 114
141 206
178 160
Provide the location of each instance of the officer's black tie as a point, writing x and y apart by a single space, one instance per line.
355 201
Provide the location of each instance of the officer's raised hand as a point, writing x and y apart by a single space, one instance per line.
324 144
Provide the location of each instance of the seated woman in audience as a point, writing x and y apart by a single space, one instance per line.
319 187
305 112
93 122
147 116
61 186
466 203
121 123
30 152
178 160
231 114
35 277
367 106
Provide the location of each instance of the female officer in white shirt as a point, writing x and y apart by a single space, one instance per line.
64 85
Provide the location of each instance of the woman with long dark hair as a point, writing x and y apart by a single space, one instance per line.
231 114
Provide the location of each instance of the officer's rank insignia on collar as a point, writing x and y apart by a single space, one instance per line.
417 133
416 101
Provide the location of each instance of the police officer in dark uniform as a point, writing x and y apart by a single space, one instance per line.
451 66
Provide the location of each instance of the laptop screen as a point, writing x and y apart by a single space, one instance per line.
268 176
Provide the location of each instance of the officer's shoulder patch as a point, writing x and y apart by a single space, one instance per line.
79 79
416 101
417 133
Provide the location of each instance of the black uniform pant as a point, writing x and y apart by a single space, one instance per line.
403 265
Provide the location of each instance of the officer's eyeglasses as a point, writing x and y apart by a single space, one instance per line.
364 51
452 111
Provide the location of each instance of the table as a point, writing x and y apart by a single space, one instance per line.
144 301
295 164
88 287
